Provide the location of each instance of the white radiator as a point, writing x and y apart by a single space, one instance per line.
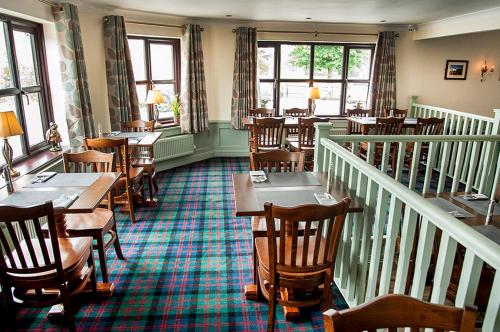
173 147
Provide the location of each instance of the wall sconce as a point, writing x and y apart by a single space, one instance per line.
485 70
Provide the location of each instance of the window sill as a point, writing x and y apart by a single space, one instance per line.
166 125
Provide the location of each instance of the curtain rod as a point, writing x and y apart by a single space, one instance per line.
159 25
316 33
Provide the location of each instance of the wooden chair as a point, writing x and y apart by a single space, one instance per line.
354 128
305 139
102 221
291 263
425 126
132 177
396 311
261 112
394 112
291 133
267 134
41 271
143 156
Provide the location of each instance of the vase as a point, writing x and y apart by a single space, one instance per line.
177 119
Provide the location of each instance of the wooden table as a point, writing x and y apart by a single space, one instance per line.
247 205
369 122
290 122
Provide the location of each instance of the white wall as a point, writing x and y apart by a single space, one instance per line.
421 65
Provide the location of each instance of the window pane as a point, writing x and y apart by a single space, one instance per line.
168 92
9 104
266 94
328 62
359 63
329 104
162 62
33 116
295 61
23 42
293 95
142 93
138 55
356 93
5 70
266 62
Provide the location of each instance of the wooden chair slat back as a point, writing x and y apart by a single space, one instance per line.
296 113
307 131
89 161
318 252
20 249
396 311
277 161
268 133
429 126
138 126
354 128
395 112
388 126
261 112
117 145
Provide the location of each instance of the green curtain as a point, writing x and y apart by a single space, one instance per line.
245 92
74 74
383 89
122 92
194 113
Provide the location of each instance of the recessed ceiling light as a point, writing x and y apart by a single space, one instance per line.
308 18
382 21
229 15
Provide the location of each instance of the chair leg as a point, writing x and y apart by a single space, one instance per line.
130 199
271 316
116 243
327 296
93 276
10 308
102 258
68 310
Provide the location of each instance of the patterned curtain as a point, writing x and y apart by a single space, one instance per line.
74 74
194 113
383 89
122 92
245 91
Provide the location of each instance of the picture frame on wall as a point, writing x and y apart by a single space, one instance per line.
456 69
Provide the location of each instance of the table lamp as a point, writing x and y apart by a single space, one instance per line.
9 126
154 98
313 95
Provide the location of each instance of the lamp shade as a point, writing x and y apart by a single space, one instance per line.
314 93
155 97
9 126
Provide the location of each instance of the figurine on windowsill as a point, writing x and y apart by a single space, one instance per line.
53 137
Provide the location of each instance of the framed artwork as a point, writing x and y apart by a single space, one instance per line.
456 69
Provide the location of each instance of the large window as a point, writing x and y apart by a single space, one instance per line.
24 84
287 70
156 64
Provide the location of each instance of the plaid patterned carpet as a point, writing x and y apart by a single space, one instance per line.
187 263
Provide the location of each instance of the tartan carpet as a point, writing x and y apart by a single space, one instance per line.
187 261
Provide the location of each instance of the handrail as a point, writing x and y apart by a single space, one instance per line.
483 247
413 138
446 110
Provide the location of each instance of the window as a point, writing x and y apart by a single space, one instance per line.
156 65
341 71
24 86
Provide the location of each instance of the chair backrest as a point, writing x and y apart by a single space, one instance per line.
396 311
388 126
268 133
261 112
306 132
79 162
394 112
138 126
429 126
317 252
277 161
354 128
117 145
24 252
296 112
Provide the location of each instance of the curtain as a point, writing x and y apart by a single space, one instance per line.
194 113
383 89
245 91
74 74
122 92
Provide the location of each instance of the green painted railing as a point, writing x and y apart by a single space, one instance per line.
375 253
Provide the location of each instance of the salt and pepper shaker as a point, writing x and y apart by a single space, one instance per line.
99 130
8 180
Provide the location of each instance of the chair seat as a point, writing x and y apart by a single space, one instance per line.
134 172
97 220
142 162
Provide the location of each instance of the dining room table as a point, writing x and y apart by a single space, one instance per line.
369 122
284 189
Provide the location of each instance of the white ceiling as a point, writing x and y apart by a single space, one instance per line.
337 11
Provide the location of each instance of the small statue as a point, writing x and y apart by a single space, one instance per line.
53 137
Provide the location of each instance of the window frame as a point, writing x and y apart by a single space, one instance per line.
19 92
277 80
149 82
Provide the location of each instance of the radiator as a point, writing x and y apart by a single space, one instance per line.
173 147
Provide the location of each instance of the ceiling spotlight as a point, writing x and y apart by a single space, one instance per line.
229 15
308 18
382 21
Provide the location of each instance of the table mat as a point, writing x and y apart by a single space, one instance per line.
30 198
138 134
67 180
289 180
480 206
448 206
287 198
492 232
